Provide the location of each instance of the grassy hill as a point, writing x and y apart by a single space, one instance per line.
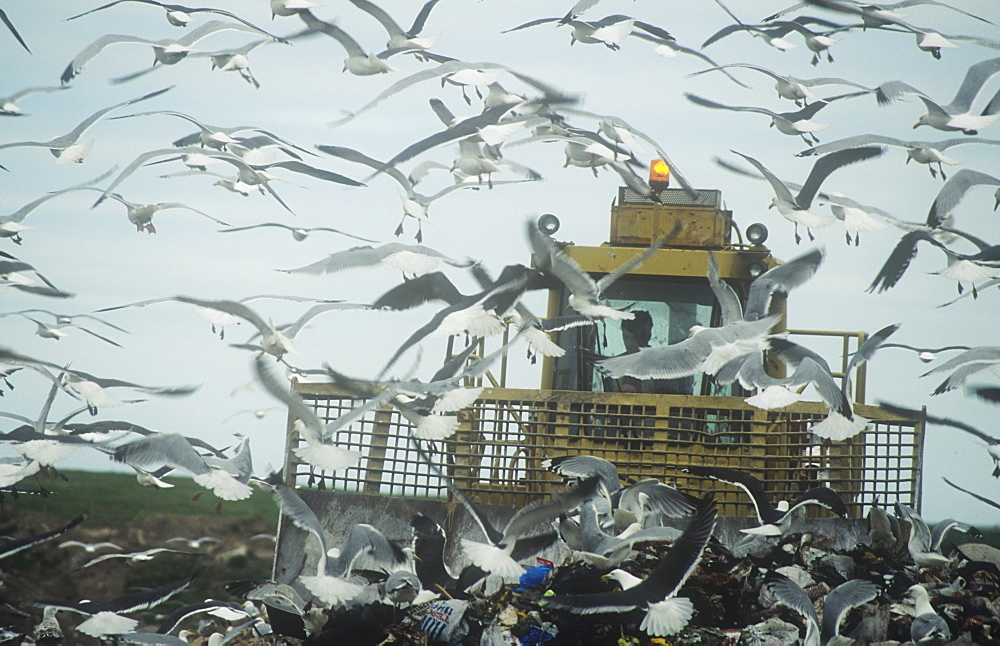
117 498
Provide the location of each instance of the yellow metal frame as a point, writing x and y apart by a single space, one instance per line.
497 452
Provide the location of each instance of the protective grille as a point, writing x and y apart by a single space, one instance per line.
708 198
497 453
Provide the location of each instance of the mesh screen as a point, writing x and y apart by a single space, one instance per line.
497 453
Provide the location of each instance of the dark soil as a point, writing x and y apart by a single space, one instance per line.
49 572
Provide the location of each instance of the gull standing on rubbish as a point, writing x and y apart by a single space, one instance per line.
666 614
773 520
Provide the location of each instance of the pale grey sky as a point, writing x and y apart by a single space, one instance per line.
99 256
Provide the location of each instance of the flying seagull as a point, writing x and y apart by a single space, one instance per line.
796 207
412 260
179 15
398 37
167 51
10 27
585 292
298 233
67 148
9 109
921 152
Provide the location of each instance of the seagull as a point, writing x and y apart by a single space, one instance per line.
318 451
796 208
705 350
924 544
866 351
217 137
133 557
666 613
927 354
13 274
67 148
992 443
93 388
415 204
180 15
90 548
10 225
16 545
225 610
965 365
517 541
927 625
790 594
938 223
214 316
956 115
921 152
10 27
358 61
197 158
476 314
227 478
605 551
800 90
235 59
298 233
585 292
856 217
840 601
56 331
780 280
105 617
881 17
141 215
875 14
808 368
166 52
798 123
276 341
980 498
398 38
774 520
330 584
8 107
412 260
193 543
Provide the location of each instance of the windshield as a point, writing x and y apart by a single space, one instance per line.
664 314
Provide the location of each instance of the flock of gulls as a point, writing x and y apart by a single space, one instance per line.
608 560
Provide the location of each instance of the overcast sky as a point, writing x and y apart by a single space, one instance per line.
98 255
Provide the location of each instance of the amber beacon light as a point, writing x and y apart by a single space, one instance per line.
659 175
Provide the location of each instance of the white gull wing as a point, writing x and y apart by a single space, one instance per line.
319 451
780 280
965 365
729 302
788 593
